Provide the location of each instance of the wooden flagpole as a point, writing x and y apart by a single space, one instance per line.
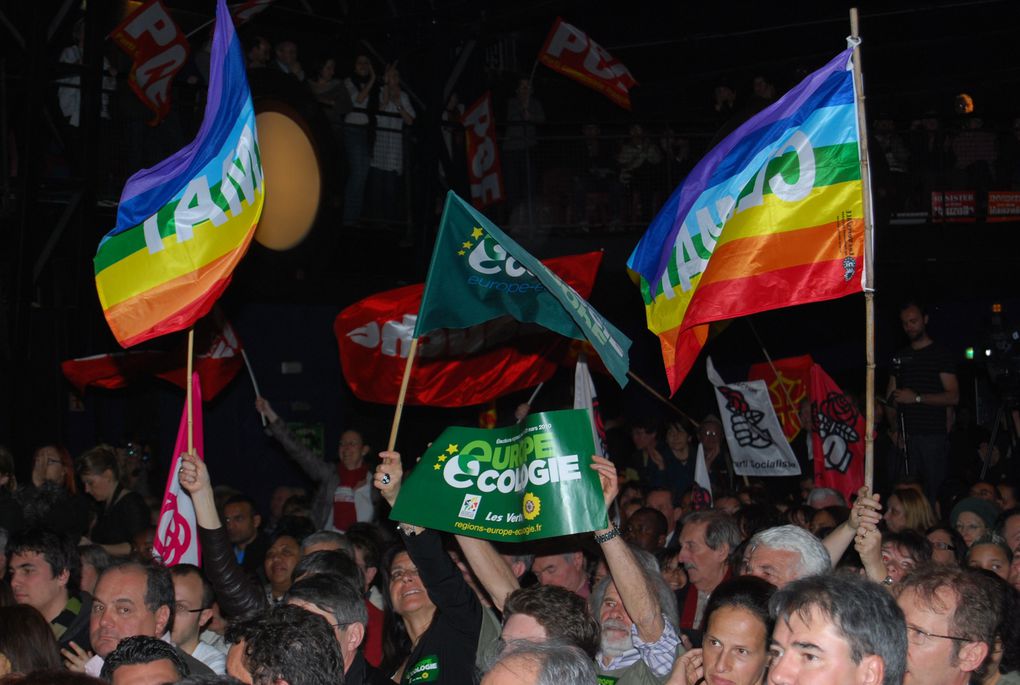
191 427
662 398
869 260
403 393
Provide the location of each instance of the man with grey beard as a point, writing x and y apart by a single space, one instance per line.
634 606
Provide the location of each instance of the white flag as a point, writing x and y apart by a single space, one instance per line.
701 472
585 397
757 444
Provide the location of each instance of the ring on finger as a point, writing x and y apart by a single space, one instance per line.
385 480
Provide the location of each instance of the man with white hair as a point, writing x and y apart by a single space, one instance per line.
784 554
819 498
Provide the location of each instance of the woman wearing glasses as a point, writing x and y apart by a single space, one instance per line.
973 518
436 618
947 547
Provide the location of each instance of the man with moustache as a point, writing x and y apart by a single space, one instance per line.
707 540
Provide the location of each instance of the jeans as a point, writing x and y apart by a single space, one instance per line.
358 154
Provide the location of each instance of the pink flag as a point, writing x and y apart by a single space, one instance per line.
177 534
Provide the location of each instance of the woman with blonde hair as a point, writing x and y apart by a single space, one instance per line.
908 509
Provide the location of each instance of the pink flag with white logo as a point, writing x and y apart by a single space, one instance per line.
177 533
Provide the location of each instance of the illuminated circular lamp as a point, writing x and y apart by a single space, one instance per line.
292 174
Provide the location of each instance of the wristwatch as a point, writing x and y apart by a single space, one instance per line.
917 398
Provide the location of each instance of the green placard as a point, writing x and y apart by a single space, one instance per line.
523 482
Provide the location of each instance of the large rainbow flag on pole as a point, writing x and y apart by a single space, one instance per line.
184 224
771 217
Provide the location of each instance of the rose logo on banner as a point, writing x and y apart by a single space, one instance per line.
836 416
749 422
744 421
173 533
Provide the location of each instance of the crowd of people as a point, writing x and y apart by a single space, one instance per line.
758 583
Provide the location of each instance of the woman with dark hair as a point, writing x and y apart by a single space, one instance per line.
122 513
888 557
52 500
435 617
735 647
359 134
947 545
26 641
680 456
990 553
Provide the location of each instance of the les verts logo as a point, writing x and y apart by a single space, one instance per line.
425 671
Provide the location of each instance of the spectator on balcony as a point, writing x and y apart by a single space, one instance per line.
523 112
387 165
1008 167
595 175
931 158
359 134
640 162
975 151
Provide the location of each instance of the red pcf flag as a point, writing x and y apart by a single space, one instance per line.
838 441
571 52
787 390
485 174
217 362
158 49
456 367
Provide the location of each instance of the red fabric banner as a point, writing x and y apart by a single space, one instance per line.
838 440
572 53
158 50
217 362
485 174
788 390
455 367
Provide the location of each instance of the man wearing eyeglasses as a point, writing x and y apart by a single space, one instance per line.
951 614
194 597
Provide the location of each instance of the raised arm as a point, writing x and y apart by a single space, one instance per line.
638 598
866 510
235 591
490 568
310 462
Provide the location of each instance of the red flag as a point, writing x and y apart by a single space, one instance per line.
788 390
456 367
217 363
485 173
487 416
571 52
176 540
838 441
158 50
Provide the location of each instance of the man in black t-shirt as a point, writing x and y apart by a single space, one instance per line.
922 387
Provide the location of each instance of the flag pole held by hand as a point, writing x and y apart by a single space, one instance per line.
403 394
191 418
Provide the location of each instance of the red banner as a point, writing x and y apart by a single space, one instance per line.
953 207
485 173
455 367
788 390
248 9
217 362
158 49
1003 205
572 53
838 443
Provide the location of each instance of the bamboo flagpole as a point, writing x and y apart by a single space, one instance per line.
191 413
869 258
403 394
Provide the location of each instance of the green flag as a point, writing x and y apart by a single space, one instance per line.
523 482
478 274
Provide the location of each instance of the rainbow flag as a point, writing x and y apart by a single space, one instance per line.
184 224
771 217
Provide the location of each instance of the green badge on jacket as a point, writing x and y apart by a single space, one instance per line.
425 671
